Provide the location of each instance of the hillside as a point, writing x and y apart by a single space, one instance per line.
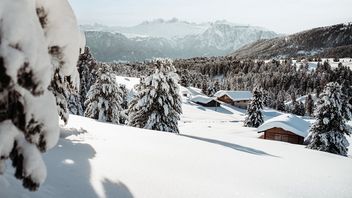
213 157
331 41
173 39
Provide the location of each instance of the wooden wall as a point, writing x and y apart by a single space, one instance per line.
279 134
240 104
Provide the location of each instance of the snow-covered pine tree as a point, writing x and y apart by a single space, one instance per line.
28 29
133 106
254 115
87 66
105 98
74 104
157 105
65 78
175 109
124 105
280 104
332 112
60 88
297 108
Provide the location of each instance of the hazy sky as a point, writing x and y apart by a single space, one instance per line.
284 16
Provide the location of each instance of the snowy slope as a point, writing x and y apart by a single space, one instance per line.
118 161
214 157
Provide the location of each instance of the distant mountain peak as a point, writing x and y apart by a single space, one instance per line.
163 21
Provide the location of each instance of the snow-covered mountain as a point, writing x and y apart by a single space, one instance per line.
223 36
178 39
162 28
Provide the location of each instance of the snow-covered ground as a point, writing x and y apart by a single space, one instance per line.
313 65
213 157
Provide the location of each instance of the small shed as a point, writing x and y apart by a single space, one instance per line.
240 99
205 101
285 128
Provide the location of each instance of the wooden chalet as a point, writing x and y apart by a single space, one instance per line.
240 99
205 101
286 128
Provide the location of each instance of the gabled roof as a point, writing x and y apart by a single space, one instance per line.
235 95
287 122
202 99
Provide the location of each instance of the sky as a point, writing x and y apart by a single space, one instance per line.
282 16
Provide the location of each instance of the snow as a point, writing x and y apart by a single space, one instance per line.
235 95
202 99
194 91
30 41
129 82
29 30
287 122
303 99
215 156
103 160
63 32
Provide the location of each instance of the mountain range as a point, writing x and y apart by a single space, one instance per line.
330 41
170 38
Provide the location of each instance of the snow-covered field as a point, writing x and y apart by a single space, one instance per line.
313 65
213 157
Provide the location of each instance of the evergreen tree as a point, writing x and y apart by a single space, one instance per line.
105 97
157 105
298 108
124 105
328 132
280 104
60 88
309 105
74 104
254 115
134 107
87 68
29 120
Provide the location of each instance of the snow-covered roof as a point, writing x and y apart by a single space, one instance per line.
287 122
127 81
202 99
235 95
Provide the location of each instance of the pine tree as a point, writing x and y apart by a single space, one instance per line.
254 115
74 104
60 88
105 98
157 105
328 132
309 105
124 105
29 121
297 108
280 104
87 68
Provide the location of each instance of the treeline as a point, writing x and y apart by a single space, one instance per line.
280 81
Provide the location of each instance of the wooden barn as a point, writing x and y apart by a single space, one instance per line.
239 99
286 128
205 101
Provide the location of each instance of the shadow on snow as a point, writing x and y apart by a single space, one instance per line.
231 145
69 174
